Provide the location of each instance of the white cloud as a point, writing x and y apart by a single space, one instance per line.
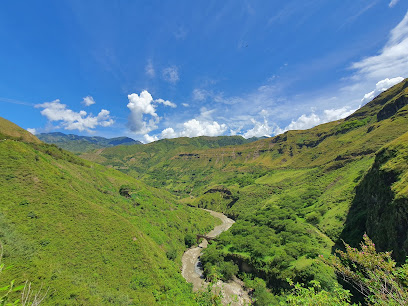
166 102
32 131
194 128
304 122
140 106
149 138
391 61
143 117
168 133
260 129
393 3
70 120
301 123
149 69
88 101
185 104
381 86
336 114
170 74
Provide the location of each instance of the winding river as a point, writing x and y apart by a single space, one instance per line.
233 291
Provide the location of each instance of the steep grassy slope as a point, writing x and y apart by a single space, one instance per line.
81 144
64 224
380 206
9 130
290 194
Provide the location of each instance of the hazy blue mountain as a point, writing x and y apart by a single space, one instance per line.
80 144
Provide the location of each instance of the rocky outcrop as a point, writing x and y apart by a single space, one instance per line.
378 209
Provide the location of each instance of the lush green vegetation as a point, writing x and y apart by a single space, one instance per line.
293 196
81 144
95 235
65 226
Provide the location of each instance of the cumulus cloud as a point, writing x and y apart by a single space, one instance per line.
260 129
169 133
166 102
194 128
170 74
393 3
147 138
392 59
143 117
55 111
381 86
149 69
32 131
88 101
140 106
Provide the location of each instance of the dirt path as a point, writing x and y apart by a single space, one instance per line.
232 291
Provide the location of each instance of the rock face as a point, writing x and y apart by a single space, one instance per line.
380 206
391 108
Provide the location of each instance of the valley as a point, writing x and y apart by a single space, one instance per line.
111 225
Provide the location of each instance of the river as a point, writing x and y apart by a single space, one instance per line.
233 291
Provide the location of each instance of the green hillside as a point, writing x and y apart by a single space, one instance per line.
140 160
290 194
92 235
9 130
81 144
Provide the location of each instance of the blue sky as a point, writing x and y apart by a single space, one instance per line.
163 69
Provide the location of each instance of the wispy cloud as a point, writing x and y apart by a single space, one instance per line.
13 101
149 69
171 74
180 33
166 103
393 3
391 61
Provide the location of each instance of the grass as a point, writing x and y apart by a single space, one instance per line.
65 225
292 195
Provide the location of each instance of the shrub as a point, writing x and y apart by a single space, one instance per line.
315 295
189 240
228 269
125 191
373 274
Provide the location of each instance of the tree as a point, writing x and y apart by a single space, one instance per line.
373 274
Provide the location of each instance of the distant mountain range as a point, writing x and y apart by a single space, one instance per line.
81 144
